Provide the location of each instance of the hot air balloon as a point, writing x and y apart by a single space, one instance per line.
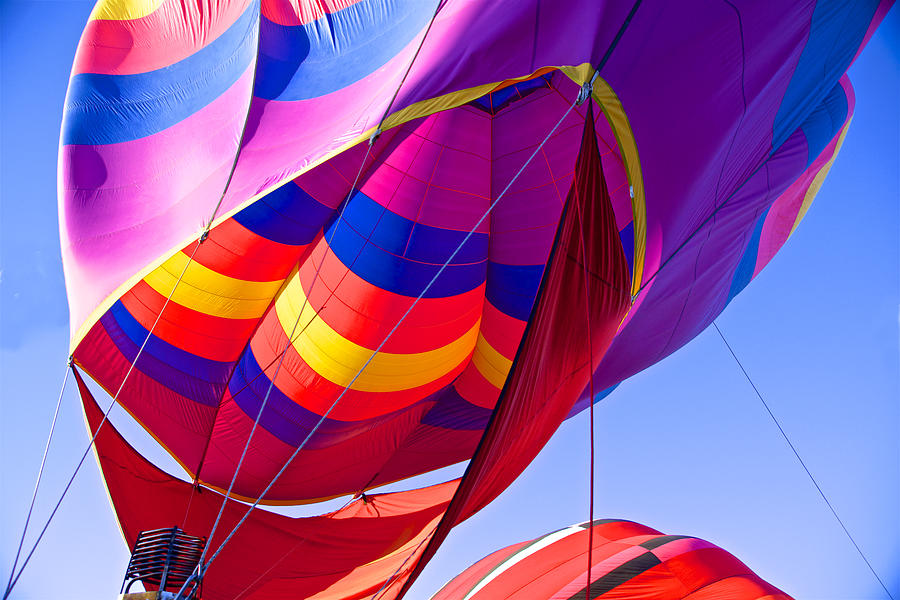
627 560
317 248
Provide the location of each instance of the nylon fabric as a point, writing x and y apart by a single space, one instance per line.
345 554
258 108
540 392
629 561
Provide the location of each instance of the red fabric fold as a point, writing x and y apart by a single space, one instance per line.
584 289
347 554
351 553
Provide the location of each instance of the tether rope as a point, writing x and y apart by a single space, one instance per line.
288 343
202 238
87 450
202 568
590 336
390 580
40 474
800 460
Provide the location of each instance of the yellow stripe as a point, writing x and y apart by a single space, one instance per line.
421 109
212 293
123 10
818 180
490 363
618 121
338 360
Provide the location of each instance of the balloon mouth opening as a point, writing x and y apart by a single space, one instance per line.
542 98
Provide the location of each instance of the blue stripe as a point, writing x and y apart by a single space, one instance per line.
582 402
415 241
452 411
744 272
626 236
109 109
497 101
434 245
199 379
287 215
378 265
284 418
825 122
512 288
307 61
371 220
836 32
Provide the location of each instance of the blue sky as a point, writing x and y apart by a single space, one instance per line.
684 447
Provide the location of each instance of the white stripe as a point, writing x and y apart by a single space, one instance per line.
523 554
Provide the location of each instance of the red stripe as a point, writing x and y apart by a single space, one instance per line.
434 322
301 12
314 473
742 588
124 47
474 388
700 567
502 332
304 385
211 337
178 423
237 252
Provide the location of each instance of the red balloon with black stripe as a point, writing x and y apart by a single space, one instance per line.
628 560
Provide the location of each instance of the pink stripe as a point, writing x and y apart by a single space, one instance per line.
879 15
599 570
171 33
681 546
783 214
118 202
272 151
291 12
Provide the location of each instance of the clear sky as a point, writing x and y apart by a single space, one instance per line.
685 446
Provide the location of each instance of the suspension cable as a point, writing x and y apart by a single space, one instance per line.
590 343
40 473
287 345
390 580
340 218
112 403
203 568
800 460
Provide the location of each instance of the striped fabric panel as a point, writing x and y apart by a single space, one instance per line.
303 12
464 582
435 381
170 31
233 278
528 550
551 561
629 561
823 133
400 189
106 108
302 60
